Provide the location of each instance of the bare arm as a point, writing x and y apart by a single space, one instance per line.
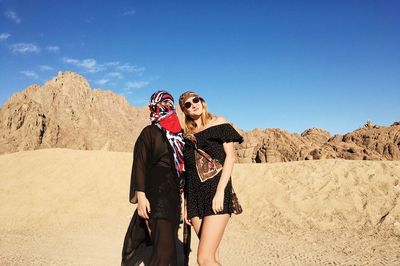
230 157
228 165
218 200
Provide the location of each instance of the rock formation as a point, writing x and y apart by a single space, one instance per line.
370 142
66 113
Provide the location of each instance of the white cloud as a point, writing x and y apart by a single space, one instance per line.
13 16
53 49
136 85
130 68
30 74
23 48
45 68
4 36
130 12
90 65
116 75
115 63
102 81
70 61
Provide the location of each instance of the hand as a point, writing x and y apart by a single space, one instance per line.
143 205
218 202
185 217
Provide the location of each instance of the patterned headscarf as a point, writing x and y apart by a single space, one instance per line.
163 115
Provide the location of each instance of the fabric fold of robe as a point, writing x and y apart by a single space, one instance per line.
137 242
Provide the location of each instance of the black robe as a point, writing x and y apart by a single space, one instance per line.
154 173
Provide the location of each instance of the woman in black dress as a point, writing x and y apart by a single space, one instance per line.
207 206
156 186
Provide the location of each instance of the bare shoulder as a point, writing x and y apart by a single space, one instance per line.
218 120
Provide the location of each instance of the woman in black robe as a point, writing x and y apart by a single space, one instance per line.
156 186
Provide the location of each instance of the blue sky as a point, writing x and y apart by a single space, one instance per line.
261 64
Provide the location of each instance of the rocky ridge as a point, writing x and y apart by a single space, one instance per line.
370 142
66 113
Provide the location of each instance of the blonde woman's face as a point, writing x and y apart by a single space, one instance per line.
193 106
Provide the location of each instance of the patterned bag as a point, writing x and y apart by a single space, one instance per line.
207 167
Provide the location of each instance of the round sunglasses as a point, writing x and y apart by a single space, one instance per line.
188 104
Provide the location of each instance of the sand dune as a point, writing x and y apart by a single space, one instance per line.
68 207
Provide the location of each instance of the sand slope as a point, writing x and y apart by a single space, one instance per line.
68 207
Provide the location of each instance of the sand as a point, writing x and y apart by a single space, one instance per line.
68 207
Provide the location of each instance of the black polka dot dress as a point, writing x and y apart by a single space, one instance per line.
199 195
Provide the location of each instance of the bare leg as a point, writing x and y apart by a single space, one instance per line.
217 255
196 222
212 230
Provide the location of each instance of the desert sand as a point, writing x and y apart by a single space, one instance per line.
70 207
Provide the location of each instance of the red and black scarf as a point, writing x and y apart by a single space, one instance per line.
163 115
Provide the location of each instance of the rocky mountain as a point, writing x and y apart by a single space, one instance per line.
371 142
66 113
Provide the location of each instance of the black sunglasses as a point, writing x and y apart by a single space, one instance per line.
189 104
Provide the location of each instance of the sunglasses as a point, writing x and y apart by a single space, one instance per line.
188 104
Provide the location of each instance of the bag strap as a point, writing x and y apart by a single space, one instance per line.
193 141
203 153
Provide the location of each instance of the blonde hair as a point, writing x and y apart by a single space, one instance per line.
190 124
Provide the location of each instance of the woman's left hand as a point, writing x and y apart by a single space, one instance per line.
218 202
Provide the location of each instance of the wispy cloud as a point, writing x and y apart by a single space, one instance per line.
4 36
30 74
102 81
116 75
89 65
53 49
136 85
23 48
111 64
13 16
129 12
129 68
45 68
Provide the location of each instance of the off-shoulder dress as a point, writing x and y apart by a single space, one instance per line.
199 195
